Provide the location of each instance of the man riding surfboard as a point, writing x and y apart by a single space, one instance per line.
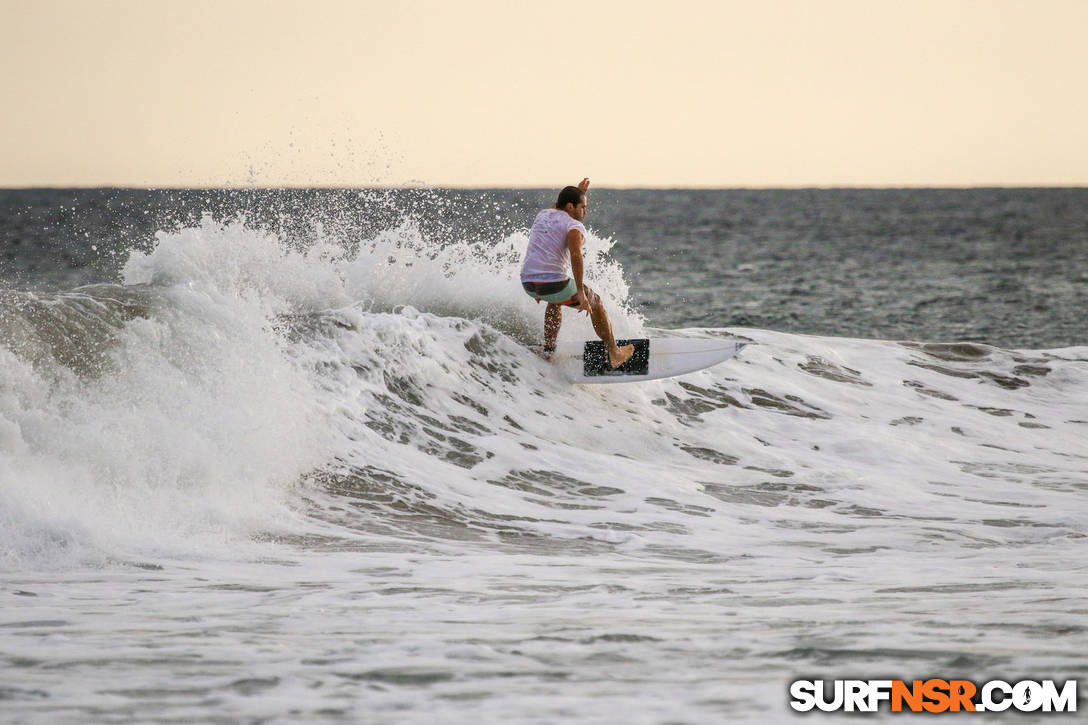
557 235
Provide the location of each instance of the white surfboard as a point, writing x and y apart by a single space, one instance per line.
653 359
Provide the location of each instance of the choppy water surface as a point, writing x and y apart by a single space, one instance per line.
291 471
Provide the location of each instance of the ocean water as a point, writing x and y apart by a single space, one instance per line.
285 456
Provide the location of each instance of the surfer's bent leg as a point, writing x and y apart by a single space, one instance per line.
603 327
553 319
556 294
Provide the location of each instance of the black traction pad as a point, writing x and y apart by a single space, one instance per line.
595 359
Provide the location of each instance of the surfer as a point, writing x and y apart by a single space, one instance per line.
557 234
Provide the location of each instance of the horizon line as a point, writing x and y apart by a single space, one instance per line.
516 187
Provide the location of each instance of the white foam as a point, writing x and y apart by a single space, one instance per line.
215 407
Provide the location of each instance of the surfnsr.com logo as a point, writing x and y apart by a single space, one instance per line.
933 696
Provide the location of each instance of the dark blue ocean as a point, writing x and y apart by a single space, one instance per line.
1007 267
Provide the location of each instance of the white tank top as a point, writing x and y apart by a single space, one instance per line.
547 260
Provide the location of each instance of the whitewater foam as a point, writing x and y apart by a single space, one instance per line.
254 363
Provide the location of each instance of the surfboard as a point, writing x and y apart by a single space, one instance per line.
654 358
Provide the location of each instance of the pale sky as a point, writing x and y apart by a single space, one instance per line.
463 93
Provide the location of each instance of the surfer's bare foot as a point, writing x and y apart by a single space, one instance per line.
621 355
